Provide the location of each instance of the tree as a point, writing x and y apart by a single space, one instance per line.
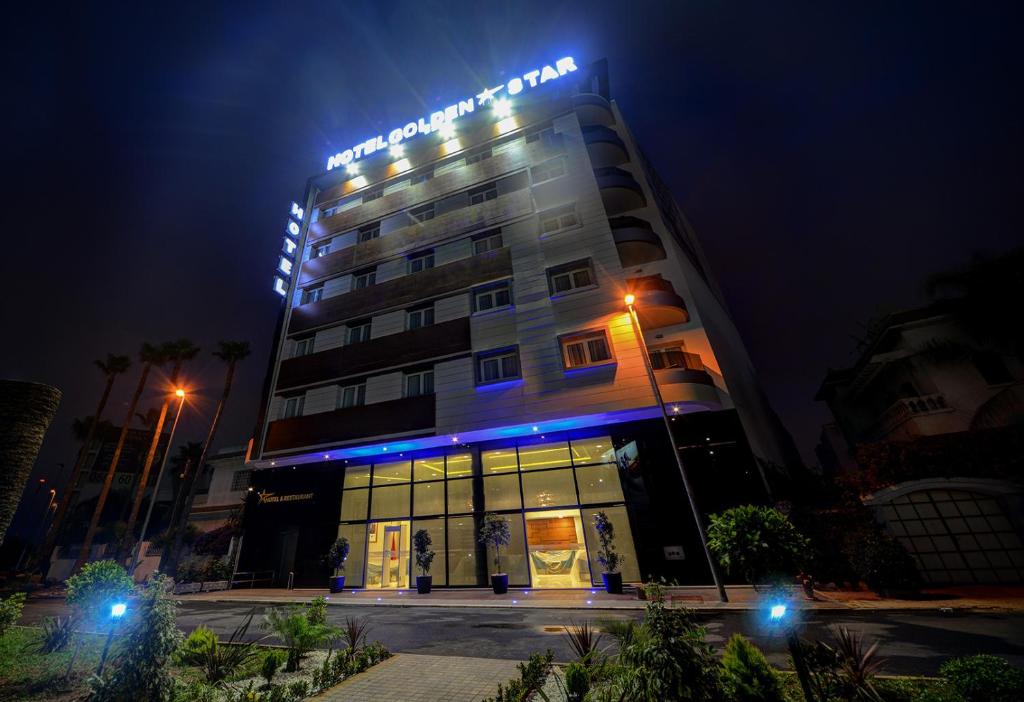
230 352
495 532
150 356
111 367
176 352
758 543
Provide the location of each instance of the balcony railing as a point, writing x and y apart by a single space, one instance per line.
905 409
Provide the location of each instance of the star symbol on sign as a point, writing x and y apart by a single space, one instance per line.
487 95
263 495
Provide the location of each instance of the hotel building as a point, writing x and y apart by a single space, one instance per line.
455 342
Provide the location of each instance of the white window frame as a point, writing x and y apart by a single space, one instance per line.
364 279
489 240
368 232
546 135
558 219
320 250
364 336
483 193
241 480
570 273
491 291
420 315
311 295
303 347
292 406
426 259
421 378
478 157
357 392
373 195
424 213
421 177
583 342
498 358
544 168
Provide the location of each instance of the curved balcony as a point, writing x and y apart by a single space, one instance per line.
686 390
592 108
636 241
605 147
619 190
657 304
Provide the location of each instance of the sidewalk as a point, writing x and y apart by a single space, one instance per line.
697 598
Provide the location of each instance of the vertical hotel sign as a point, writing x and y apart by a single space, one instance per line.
286 261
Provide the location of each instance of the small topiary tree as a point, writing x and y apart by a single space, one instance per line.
421 543
607 556
97 586
10 611
337 554
496 532
757 543
746 674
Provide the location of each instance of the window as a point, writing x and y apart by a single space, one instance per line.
478 156
674 357
303 347
992 368
319 250
421 177
545 135
588 349
421 383
358 332
364 278
496 366
352 396
420 262
483 193
487 241
369 231
570 276
549 170
373 195
292 407
312 294
558 218
241 479
492 297
423 212
422 317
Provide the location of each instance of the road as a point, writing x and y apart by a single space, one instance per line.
913 642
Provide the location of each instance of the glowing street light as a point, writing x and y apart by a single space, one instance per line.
118 609
777 612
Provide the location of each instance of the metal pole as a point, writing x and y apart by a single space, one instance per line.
106 647
137 551
635 321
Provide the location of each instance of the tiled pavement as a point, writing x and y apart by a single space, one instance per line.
414 678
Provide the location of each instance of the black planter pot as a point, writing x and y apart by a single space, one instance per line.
499 583
612 583
337 583
423 583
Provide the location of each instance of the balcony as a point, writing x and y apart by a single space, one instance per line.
657 304
904 417
404 416
399 292
636 241
687 390
418 235
435 341
619 190
604 146
592 108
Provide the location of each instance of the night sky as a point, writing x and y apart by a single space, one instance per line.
829 156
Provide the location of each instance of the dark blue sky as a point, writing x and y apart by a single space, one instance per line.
829 155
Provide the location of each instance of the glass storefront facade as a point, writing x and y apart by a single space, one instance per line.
549 491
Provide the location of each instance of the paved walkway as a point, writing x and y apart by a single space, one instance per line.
700 598
416 678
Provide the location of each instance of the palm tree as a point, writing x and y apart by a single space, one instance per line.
231 352
149 356
176 352
111 367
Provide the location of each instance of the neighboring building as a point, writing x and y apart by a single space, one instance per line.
929 415
455 342
226 483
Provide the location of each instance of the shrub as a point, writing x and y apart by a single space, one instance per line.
584 641
984 678
217 569
882 562
297 633
746 674
193 691
532 675
337 554
142 672
218 661
609 559
271 662
316 610
856 666
421 542
354 633
98 585
56 635
577 681
10 611
495 532
214 543
758 543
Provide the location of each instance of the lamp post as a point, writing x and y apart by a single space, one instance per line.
779 616
630 301
40 528
117 611
137 551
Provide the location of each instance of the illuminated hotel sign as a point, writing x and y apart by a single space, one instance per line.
426 125
286 260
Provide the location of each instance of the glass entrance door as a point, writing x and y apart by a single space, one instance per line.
557 549
387 562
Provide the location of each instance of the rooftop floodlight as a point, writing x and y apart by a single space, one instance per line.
447 131
502 108
630 299
777 612
118 609
352 169
397 151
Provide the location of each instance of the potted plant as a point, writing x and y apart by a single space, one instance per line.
609 559
336 556
495 531
421 542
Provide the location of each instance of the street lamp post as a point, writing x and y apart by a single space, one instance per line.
41 528
630 301
117 611
137 551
